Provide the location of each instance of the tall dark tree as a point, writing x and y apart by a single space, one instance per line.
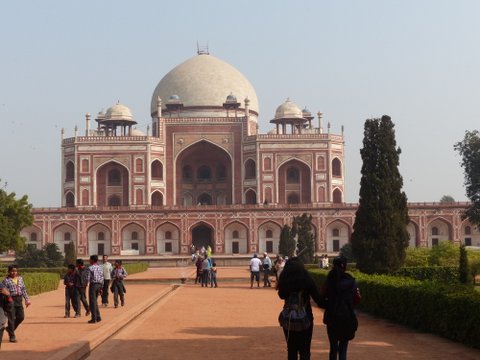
465 274
286 246
15 214
469 149
70 254
305 239
380 236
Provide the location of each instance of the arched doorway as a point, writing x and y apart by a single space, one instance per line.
203 168
202 235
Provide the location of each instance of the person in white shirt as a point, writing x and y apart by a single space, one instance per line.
267 265
107 271
255 264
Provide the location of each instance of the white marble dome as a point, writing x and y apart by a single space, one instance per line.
118 112
204 81
288 110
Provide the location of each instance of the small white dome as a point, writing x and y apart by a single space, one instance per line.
288 110
118 112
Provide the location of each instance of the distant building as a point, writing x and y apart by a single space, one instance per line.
203 175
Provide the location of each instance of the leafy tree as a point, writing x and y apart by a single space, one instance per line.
15 214
380 234
70 254
444 254
286 245
31 257
464 270
53 255
305 240
469 149
417 256
447 199
346 251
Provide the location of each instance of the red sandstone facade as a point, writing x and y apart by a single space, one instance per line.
205 176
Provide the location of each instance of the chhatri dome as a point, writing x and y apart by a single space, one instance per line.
202 83
288 110
118 112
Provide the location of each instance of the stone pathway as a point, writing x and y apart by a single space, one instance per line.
232 321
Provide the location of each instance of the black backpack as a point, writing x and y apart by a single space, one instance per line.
294 316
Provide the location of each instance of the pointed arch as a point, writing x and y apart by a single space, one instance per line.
336 168
250 169
69 171
236 237
112 183
250 197
294 182
167 236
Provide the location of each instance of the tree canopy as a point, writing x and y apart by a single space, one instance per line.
469 149
380 236
447 199
15 214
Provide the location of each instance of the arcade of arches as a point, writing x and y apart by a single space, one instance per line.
234 237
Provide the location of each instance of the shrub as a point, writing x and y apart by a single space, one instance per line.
37 283
417 257
61 271
444 254
448 310
445 274
134 268
346 250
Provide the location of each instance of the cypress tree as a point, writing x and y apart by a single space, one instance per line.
286 246
464 269
380 236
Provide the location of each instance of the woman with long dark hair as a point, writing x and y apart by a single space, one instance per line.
296 280
340 293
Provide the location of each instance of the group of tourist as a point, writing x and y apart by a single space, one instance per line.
337 296
266 266
206 267
98 279
323 262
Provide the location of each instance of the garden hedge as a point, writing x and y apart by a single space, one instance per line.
451 311
134 268
37 283
446 274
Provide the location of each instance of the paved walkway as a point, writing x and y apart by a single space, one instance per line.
161 321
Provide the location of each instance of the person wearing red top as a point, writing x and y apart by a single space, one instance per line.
15 312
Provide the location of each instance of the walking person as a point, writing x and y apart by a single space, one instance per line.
95 288
16 313
107 270
267 265
118 287
70 291
296 283
5 300
81 282
341 294
255 264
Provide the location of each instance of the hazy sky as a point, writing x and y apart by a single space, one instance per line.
417 61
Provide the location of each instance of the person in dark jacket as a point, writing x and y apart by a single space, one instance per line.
296 279
80 288
5 299
340 292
